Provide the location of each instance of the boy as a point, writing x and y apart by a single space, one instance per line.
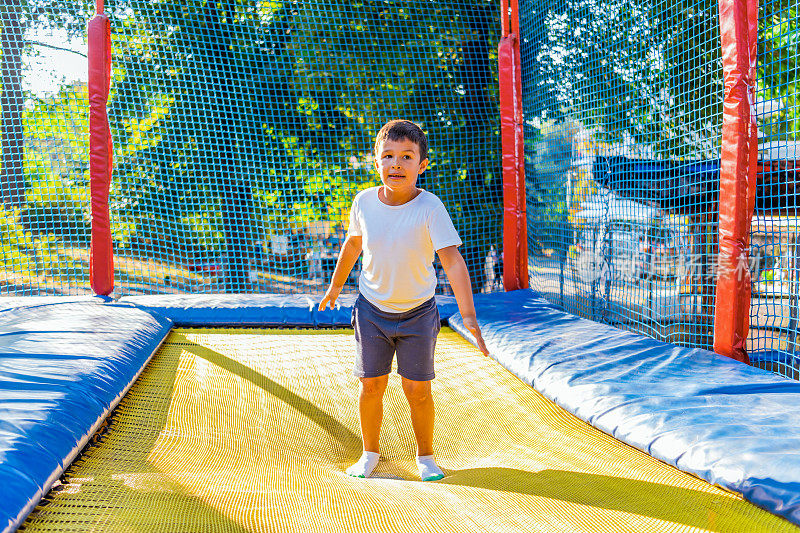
398 227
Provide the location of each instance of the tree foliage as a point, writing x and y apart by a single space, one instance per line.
17 17
633 71
777 73
257 114
236 118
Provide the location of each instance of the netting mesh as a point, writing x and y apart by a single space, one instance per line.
43 165
242 131
776 270
623 110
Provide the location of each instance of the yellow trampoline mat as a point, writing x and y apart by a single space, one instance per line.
251 430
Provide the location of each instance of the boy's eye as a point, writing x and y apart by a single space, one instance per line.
406 157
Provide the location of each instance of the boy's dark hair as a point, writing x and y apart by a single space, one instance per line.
397 130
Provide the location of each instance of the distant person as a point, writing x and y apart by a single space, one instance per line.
498 270
399 227
491 261
643 264
314 258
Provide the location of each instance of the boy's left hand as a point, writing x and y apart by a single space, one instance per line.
330 297
471 323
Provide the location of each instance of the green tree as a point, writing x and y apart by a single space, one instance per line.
11 177
56 167
17 17
777 74
247 111
42 161
632 71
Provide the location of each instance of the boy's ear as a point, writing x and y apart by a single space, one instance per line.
423 165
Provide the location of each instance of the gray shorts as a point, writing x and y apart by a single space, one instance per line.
411 334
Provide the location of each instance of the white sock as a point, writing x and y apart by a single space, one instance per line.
365 465
428 471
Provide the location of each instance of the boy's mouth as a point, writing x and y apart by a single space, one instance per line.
396 176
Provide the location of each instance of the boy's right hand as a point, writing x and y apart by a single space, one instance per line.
330 297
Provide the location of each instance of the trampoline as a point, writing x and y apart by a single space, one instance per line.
251 429
200 388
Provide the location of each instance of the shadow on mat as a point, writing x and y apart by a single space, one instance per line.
664 502
344 435
108 489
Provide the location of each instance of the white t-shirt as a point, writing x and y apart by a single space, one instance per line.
398 242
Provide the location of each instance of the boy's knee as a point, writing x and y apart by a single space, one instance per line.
374 386
416 391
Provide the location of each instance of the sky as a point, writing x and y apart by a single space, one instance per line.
48 69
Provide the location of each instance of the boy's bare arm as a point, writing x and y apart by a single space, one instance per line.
456 270
348 256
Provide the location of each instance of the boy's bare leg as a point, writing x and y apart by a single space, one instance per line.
370 412
420 402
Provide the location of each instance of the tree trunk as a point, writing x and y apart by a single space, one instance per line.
12 178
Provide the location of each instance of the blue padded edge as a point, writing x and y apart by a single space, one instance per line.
10 303
731 424
257 310
63 367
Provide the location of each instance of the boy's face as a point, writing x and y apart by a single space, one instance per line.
399 164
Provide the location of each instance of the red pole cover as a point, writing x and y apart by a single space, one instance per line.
515 240
521 242
504 21
101 258
738 33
